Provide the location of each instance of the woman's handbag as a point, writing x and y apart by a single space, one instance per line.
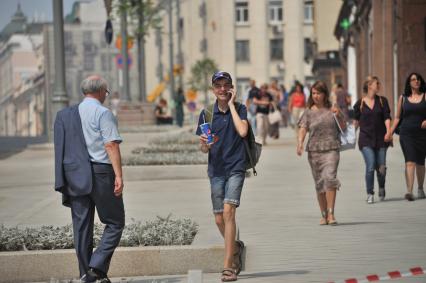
347 137
275 116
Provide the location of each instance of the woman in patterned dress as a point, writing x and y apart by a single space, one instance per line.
322 147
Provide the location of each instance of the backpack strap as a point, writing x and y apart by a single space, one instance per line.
208 113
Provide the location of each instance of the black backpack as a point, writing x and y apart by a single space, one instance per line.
253 149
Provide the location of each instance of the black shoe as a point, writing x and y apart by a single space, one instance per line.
87 279
382 194
99 275
409 197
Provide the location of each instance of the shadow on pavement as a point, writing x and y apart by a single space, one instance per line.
165 280
271 274
359 223
8 153
394 199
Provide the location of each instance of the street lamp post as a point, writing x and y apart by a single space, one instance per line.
59 98
124 54
171 77
179 44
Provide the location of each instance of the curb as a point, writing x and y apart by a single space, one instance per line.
30 266
390 275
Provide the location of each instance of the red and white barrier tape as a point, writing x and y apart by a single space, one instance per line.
390 275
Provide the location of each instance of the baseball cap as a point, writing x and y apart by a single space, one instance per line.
221 75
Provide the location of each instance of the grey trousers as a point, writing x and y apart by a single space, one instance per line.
110 210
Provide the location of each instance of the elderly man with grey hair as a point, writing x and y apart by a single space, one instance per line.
88 173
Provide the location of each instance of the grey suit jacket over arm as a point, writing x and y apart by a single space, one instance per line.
73 171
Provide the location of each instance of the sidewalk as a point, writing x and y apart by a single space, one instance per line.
278 218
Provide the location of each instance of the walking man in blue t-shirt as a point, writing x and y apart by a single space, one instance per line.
226 165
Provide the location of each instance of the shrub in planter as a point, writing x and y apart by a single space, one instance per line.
181 138
148 129
161 231
166 159
178 149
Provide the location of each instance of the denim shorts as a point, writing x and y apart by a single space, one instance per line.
226 190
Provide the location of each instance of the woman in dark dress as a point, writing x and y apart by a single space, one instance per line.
372 116
411 113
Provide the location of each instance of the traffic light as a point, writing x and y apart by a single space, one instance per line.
345 24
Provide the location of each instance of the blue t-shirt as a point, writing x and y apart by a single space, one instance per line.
227 155
99 127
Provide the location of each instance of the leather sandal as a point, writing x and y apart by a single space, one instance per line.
323 220
228 275
331 212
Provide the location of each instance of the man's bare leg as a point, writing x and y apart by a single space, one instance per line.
218 217
229 233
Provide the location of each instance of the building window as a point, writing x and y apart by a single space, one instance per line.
275 11
276 48
242 51
88 62
309 11
241 12
308 49
87 37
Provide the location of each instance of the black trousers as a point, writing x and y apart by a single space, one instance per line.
110 210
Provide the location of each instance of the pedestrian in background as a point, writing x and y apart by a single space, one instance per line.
179 102
411 115
297 105
226 165
262 100
251 106
274 128
115 103
89 175
323 147
162 113
343 100
284 106
372 116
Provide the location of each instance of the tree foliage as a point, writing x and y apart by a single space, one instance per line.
201 71
147 10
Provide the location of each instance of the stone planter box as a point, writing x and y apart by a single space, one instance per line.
33 266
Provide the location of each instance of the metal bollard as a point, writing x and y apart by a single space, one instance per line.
195 276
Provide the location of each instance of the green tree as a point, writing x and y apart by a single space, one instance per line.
144 15
201 71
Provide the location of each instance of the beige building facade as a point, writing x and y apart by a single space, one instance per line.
21 61
263 40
